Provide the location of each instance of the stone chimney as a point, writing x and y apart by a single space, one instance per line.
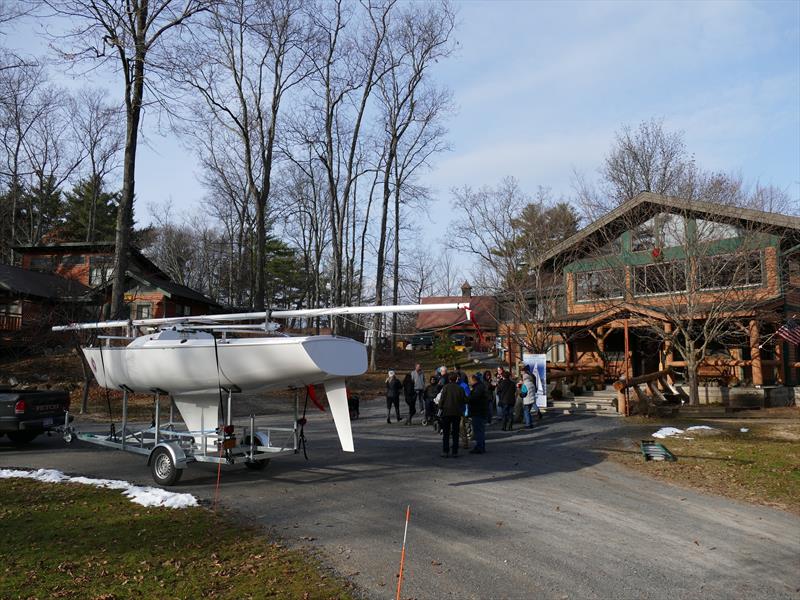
466 289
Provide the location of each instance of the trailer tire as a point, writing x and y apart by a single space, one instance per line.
254 465
18 438
257 465
163 468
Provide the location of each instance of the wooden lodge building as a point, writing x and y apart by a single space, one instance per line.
633 288
72 281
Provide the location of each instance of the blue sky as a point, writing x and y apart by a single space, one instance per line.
540 89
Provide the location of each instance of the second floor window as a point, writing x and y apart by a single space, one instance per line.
599 285
659 278
730 270
100 270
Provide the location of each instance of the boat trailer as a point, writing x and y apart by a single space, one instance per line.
170 450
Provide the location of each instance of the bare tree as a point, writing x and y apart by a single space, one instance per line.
241 66
346 69
647 158
130 34
98 130
510 234
418 38
24 101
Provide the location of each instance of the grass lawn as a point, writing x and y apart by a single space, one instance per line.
78 541
760 466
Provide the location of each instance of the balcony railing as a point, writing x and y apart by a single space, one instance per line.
10 322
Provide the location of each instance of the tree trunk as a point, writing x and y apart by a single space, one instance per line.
396 266
692 382
381 268
133 95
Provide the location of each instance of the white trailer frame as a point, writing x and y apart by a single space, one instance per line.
169 450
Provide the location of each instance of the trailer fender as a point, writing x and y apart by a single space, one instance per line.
262 438
177 453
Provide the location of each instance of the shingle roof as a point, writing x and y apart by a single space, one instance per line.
646 203
484 308
40 285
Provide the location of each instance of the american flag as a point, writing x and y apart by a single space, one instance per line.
790 332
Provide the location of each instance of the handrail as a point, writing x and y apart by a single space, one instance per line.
621 384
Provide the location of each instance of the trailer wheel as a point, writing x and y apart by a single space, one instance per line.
163 468
257 465
254 465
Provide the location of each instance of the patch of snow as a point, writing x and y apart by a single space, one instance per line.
666 432
744 430
697 427
146 496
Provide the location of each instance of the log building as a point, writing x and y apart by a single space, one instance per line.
659 278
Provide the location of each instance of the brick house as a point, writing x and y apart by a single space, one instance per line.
453 321
30 301
150 293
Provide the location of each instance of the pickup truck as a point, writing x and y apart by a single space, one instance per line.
24 414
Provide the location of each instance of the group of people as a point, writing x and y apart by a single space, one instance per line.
450 396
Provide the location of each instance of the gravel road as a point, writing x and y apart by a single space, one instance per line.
541 515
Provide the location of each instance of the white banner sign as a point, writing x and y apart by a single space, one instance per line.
538 365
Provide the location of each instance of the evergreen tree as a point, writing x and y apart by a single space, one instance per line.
90 213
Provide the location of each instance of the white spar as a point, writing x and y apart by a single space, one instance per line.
211 320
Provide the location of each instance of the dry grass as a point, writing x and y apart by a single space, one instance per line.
761 465
76 541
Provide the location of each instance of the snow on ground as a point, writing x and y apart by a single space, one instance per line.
666 432
146 496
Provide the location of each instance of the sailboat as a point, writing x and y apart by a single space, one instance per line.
194 358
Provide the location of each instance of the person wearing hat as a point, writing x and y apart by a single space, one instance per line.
393 389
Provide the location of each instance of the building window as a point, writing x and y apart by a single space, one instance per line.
43 264
665 230
100 270
598 285
730 270
659 278
711 231
143 311
557 353
72 260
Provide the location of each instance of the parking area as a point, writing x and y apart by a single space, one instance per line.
542 514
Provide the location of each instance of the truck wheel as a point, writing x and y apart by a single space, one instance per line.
254 465
22 437
163 468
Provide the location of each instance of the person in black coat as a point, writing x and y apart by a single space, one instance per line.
393 388
507 397
410 397
430 393
479 411
452 407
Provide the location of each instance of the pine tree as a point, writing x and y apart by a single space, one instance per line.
90 214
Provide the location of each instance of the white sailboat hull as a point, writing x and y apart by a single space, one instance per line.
249 364
192 370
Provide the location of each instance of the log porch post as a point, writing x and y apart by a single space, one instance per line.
755 354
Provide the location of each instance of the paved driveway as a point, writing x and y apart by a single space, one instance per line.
541 515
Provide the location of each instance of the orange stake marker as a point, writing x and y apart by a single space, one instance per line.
403 553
